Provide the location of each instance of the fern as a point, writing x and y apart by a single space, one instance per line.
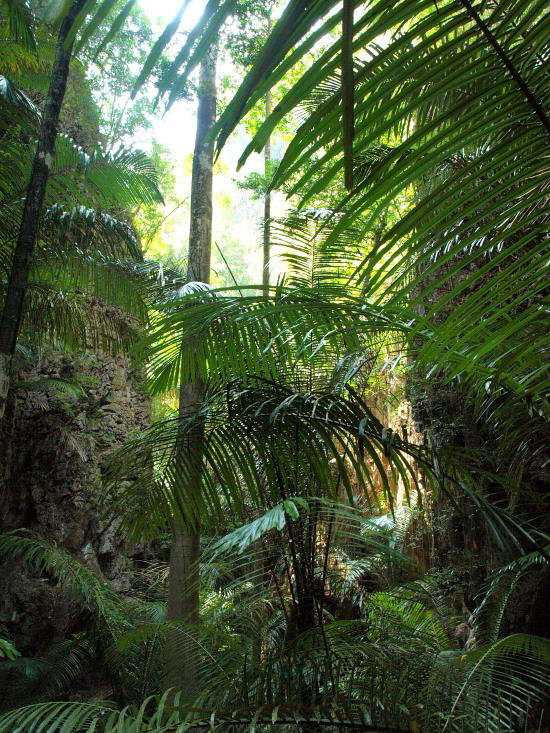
95 594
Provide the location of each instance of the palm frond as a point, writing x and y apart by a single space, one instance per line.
33 679
14 101
7 650
20 22
305 430
447 78
71 573
505 679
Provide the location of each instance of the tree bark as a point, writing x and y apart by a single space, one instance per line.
12 311
183 587
267 205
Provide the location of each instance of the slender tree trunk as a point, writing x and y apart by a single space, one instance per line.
183 588
267 204
10 320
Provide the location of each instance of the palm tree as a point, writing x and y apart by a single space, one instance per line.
70 20
448 122
88 286
83 252
85 248
183 596
24 247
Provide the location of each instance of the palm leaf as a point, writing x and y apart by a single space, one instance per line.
20 23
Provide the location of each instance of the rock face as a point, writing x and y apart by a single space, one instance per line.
59 443
513 450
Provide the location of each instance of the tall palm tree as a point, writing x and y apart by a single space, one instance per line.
183 593
448 119
12 309
84 247
69 20
448 107
82 251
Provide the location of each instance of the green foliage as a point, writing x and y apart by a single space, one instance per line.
304 429
391 667
112 76
109 617
249 29
489 183
275 518
20 23
42 678
24 17
432 262
45 557
117 25
7 650
86 256
486 674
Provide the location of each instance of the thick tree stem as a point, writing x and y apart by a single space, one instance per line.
12 311
267 204
348 123
5 373
183 588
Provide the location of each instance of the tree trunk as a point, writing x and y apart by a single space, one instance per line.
10 320
183 588
267 205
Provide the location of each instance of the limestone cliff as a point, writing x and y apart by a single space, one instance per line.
58 444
